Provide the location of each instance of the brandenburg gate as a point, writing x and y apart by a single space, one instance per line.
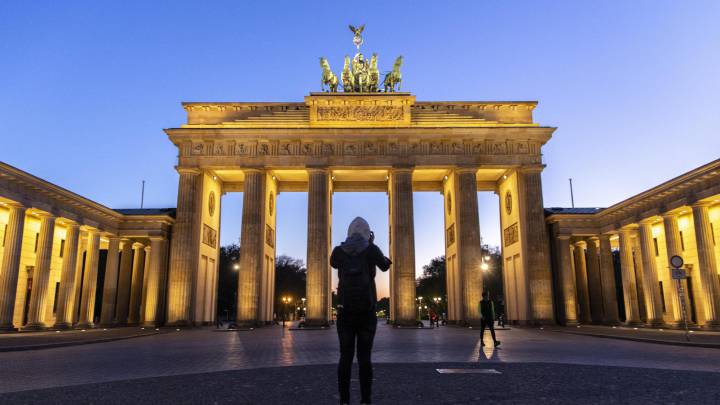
359 141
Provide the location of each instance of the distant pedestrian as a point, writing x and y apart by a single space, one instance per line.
501 313
487 318
356 260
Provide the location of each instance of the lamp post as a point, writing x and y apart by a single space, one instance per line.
303 306
286 301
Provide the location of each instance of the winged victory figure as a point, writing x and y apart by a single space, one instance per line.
357 39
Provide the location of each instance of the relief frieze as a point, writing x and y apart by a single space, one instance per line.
360 113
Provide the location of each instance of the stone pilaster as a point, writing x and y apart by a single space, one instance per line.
124 282
468 239
137 279
607 275
63 313
402 246
154 285
252 238
11 265
534 235
651 284
632 311
581 282
567 280
184 250
710 287
107 315
672 244
318 243
594 281
41 276
89 287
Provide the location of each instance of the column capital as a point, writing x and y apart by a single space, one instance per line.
317 169
700 204
12 204
647 221
138 245
188 170
147 249
466 169
605 236
564 237
157 238
249 170
531 169
580 243
669 215
402 169
112 237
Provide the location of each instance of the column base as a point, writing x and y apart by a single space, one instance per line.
35 327
572 322
655 323
712 325
150 324
8 328
177 324
634 323
86 325
62 326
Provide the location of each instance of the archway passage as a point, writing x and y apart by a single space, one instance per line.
374 142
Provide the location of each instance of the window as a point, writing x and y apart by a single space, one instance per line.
662 297
37 238
62 247
682 242
657 251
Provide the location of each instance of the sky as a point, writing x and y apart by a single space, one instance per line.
86 88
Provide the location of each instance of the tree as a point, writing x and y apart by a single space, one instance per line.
432 284
228 280
290 277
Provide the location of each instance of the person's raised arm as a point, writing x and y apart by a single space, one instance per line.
379 259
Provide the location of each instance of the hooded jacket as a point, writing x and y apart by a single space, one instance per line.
358 242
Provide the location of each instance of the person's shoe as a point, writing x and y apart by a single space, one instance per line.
497 343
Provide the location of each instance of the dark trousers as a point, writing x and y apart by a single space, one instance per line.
489 325
352 328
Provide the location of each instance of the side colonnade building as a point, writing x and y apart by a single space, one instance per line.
70 262
611 265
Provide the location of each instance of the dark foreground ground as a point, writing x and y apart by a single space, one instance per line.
400 384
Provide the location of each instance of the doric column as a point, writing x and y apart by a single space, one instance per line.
252 238
143 292
124 282
185 242
76 291
607 275
593 280
581 282
137 279
402 245
63 313
710 288
672 245
651 284
469 250
41 276
154 286
632 312
534 236
89 285
567 280
107 315
11 265
318 243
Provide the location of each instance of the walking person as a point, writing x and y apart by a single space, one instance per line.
487 318
356 260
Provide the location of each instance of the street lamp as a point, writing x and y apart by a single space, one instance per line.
236 266
286 301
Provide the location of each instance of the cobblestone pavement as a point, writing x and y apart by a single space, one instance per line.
668 336
400 384
198 351
42 340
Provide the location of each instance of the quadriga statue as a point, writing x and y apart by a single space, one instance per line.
328 77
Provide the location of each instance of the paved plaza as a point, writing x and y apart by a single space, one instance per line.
276 365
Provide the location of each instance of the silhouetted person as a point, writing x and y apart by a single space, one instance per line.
356 259
487 318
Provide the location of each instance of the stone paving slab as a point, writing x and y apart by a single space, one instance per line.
698 338
21 341
400 384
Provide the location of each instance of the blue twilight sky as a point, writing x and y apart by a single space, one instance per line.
86 88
